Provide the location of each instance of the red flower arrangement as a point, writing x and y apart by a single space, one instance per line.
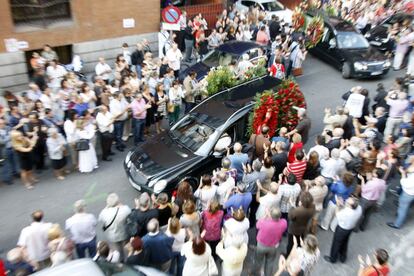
275 109
298 19
314 32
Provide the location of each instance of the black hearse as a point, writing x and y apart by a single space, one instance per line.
346 49
197 142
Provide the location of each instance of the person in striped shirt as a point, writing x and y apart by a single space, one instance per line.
297 167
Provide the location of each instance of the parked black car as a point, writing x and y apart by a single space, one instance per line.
345 48
378 36
224 55
196 143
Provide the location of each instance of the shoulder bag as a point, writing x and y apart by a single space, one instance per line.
105 227
82 145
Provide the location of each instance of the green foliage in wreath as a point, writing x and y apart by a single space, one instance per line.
220 79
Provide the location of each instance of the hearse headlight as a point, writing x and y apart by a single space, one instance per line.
387 64
128 157
368 35
359 66
385 40
160 186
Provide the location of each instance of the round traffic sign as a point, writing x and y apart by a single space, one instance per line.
171 14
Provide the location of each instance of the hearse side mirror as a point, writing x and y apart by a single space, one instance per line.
332 43
222 144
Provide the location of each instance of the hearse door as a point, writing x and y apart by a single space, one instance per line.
332 53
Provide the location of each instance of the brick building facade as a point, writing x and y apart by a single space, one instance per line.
91 28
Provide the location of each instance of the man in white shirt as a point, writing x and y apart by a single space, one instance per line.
113 218
105 123
174 57
225 186
406 196
355 102
34 240
332 167
320 148
55 73
348 218
82 230
103 70
244 65
119 107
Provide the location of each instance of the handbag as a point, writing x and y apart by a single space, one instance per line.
170 108
297 71
212 267
82 145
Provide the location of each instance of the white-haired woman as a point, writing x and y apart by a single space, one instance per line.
56 148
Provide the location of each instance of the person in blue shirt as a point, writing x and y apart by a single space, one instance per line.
341 189
158 246
240 198
238 159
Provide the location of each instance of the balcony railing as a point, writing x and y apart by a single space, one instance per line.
40 13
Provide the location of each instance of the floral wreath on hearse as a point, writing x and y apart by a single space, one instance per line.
276 109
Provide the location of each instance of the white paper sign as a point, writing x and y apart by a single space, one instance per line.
11 45
128 23
170 27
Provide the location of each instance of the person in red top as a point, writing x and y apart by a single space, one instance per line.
298 167
294 146
211 224
277 70
2 270
379 268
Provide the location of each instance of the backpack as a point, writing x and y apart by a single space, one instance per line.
354 164
131 224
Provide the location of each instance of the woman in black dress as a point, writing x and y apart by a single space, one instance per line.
149 99
24 147
161 100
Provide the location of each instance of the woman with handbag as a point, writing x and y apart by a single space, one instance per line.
161 100
24 147
297 62
175 96
56 147
86 151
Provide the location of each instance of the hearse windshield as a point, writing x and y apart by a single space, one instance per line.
192 132
351 40
219 58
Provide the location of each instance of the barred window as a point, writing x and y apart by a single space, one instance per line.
40 13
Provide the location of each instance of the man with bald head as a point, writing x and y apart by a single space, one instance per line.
259 142
238 159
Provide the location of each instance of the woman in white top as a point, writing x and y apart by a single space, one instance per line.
233 257
300 57
205 192
267 201
175 231
269 170
56 147
70 130
88 96
198 254
236 228
308 255
87 158
175 96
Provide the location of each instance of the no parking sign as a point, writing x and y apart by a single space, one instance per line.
171 14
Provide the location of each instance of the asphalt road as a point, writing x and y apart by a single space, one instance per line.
322 86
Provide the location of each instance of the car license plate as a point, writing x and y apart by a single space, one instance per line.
376 73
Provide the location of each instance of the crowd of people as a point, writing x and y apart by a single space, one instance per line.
276 191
